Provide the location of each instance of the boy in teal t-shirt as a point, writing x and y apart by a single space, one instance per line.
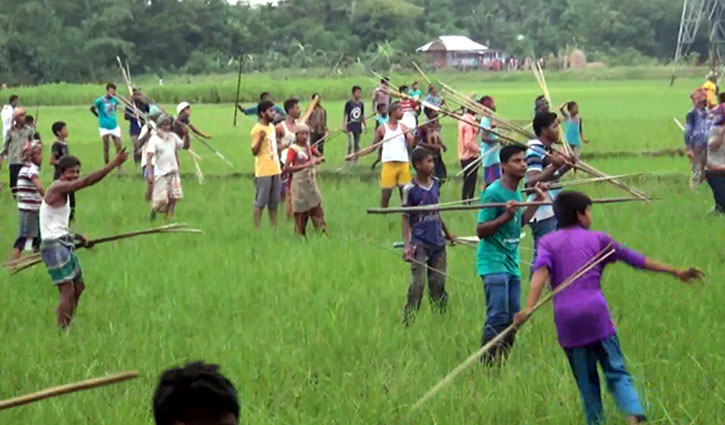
498 252
573 131
105 109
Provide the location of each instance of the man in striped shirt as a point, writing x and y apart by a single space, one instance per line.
29 195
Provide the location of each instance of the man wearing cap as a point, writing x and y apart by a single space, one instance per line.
105 109
15 139
135 124
182 124
164 182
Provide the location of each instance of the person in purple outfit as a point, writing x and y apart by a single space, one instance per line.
583 321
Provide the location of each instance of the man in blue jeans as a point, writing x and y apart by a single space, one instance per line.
498 252
545 166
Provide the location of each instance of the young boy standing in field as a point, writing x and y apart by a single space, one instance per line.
425 237
353 121
583 320
266 165
105 109
396 139
58 150
573 129
29 194
58 243
318 124
468 152
498 251
15 140
195 394
162 162
306 197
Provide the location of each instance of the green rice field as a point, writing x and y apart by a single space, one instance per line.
310 331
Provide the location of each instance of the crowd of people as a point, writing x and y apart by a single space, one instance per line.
288 145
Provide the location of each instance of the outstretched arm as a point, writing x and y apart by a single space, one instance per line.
685 275
199 132
62 187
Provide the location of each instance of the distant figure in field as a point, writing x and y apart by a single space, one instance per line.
396 139
573 128
410 108
469 154
15 139
711 89
134 126
182 124
58 243
264 97
425 236
7 114
353 120
266 165
381 95
105 109
583 320
196 394
301 161
415 91
162 162
429 137
541 104
29 195
318 125
58 150
490 146
433 97
697 130
30 123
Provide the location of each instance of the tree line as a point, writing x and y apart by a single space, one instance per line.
78 40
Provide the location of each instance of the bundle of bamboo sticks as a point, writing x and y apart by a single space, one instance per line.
20 264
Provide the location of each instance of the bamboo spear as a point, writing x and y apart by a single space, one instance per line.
420 263
20 264
585 181
68 388
239 86
422 73
211 148
593 262
127 79
679 124
437 208
374 146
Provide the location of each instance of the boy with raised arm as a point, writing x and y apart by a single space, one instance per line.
425 236
498 251
583 320
58 243
573 128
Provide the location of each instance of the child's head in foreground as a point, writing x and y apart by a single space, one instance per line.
573 208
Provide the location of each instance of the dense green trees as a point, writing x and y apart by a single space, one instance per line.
78 40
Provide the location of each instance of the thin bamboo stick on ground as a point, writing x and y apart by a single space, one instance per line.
436 208
601 256
68 388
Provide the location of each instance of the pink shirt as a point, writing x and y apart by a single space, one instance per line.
468 138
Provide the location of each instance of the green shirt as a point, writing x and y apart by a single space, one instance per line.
499 253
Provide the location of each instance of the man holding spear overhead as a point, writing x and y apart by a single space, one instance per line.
499 230
395 139
58 243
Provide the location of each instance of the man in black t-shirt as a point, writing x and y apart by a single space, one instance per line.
353 121
58 151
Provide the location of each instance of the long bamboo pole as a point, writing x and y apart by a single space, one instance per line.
593 262
585 181
420 263
422 73
436 208
239 86
68 388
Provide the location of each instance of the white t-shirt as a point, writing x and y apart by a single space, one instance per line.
395 148
163 146
144 150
